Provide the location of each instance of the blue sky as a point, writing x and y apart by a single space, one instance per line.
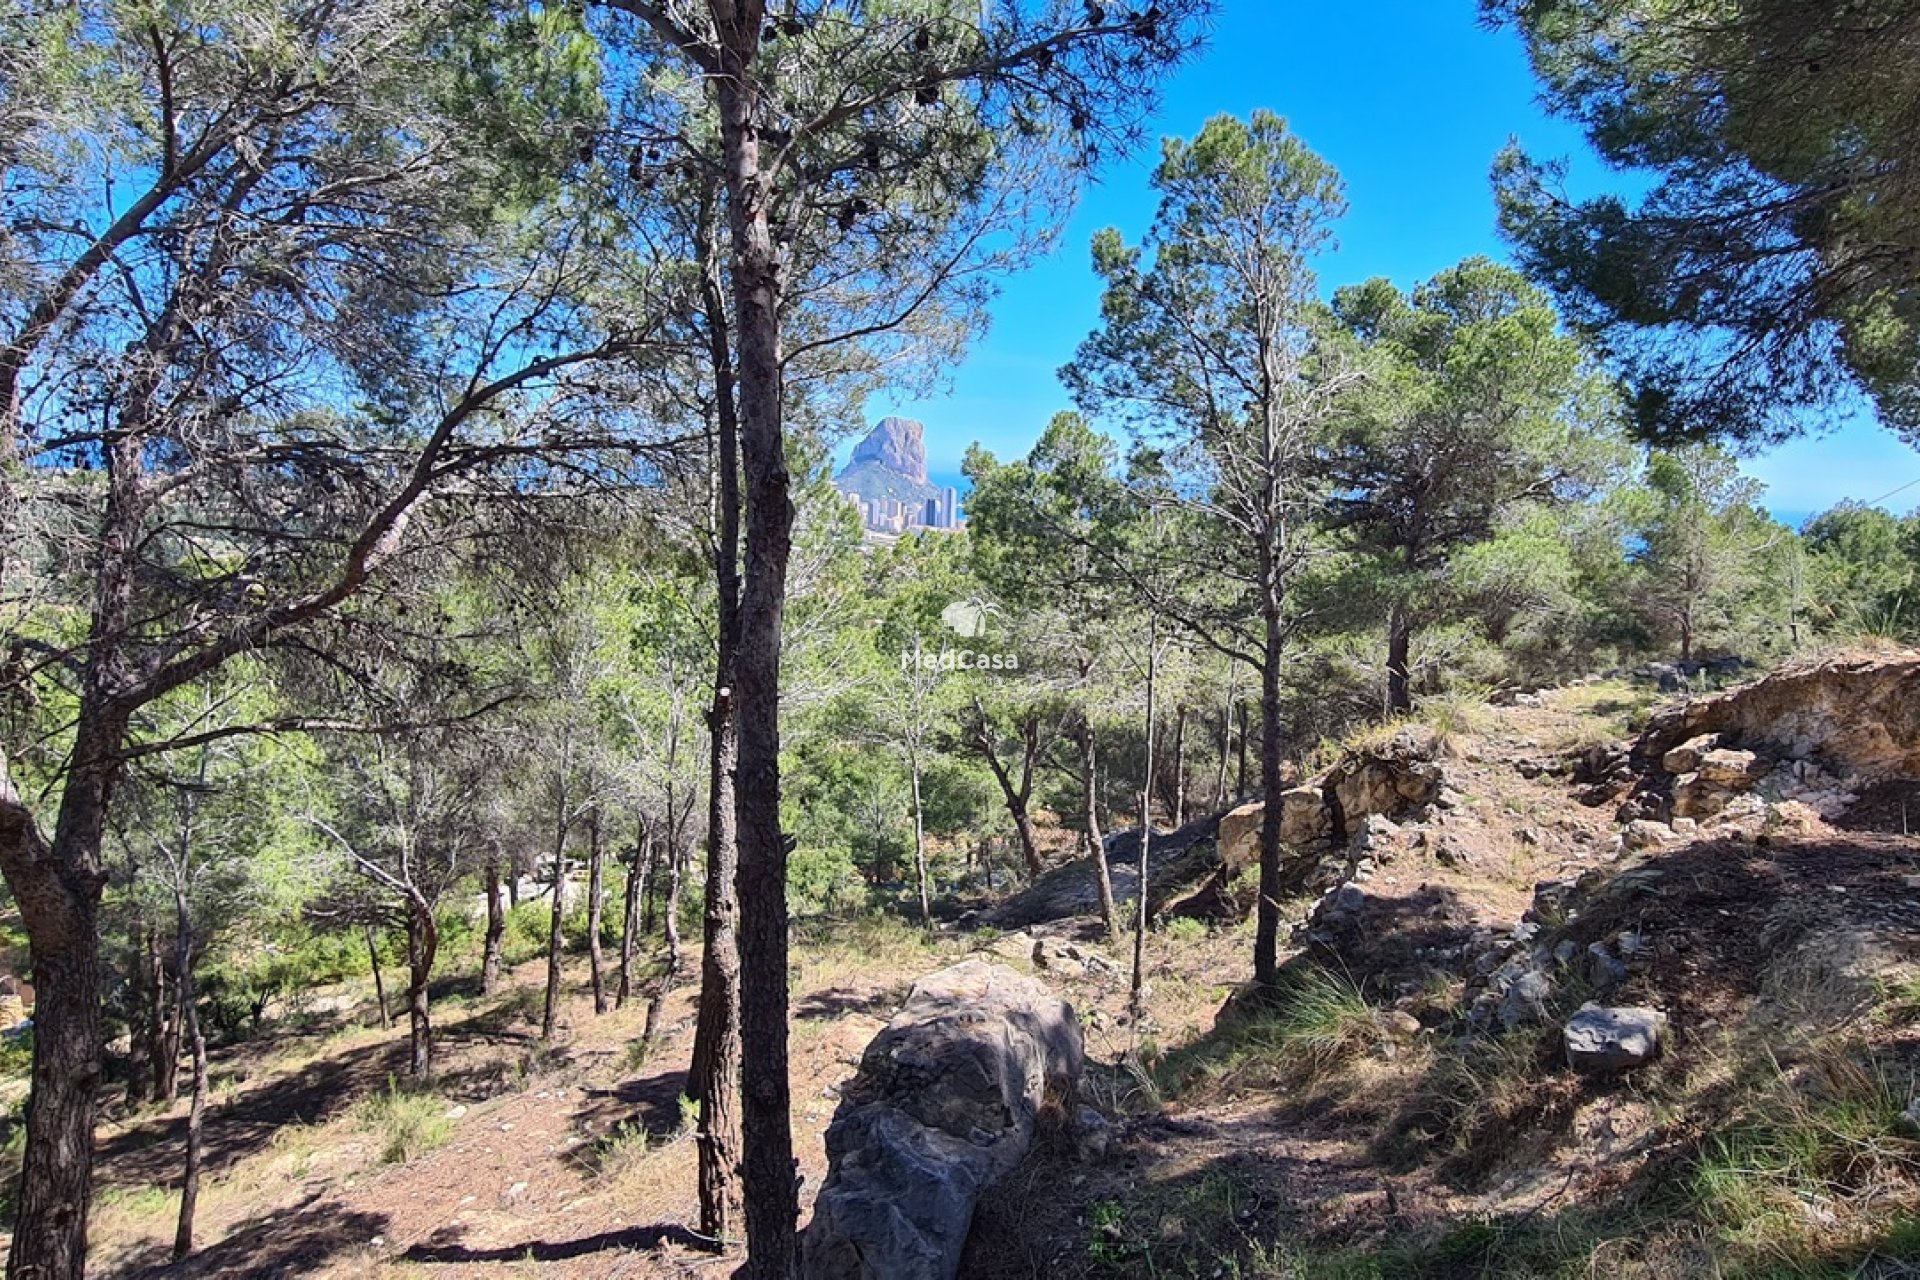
1410 100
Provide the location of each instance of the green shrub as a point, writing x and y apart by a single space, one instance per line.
1186 929
1822 1137
527 926
407 1123
16 1055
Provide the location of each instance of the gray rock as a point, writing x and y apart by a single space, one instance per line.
1526 999
1643 834
1604 970
1685 758
946 1102
1602 1039
1093 1135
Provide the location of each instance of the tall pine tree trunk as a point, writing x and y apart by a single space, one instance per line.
423 941
139 1046
920 841
379 983
493 952
57 889
767 1176
156 1017
670 972
1096 841
714 1078
197 1110
1137 988
1016 796
595 888
1226 747
1266 938
641 859
556 941
1399 660
1240 772
1179 805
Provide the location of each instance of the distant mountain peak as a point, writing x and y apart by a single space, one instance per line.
899 445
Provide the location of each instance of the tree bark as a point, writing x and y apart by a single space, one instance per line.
1240 774
493 951
556 941
1096 841
1179 805
156 1017
196 1113
57 889
1266 938
767 1169
1399 660
1226 749
379 983
140 1013
713 1081
637 866
1016 795
423 940
670 973
595 871
920 842
1138 986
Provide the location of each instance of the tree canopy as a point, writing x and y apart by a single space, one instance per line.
1765 275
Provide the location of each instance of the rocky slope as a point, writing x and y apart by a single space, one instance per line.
1535 1024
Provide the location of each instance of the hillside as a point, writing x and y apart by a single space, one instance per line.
1405 1110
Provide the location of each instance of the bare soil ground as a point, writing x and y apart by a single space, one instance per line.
1398 1156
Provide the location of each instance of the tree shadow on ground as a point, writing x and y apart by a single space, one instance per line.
443 1246
465 986
149 1154
651 1102
838 1002
277 1245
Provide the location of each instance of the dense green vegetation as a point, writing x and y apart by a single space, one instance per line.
418 555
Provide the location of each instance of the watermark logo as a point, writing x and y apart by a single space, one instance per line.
968 620
957 660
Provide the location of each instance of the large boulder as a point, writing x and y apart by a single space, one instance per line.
1304 820
947 1101
1240 835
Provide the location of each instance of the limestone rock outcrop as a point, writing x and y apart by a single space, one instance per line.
947 1101
1390 780
1859 717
